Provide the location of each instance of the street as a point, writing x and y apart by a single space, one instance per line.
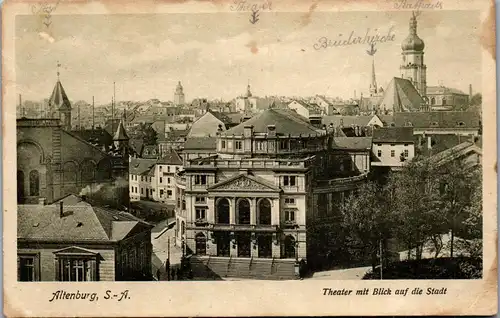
160 239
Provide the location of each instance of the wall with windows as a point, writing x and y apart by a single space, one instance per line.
46 268
391 154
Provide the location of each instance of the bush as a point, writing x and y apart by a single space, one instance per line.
438 268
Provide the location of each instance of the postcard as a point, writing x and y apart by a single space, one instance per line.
249 158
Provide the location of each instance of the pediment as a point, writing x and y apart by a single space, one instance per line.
244 183
75 250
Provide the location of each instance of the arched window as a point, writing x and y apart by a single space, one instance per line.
201 244
289 247
20 186
69 172
183 228
88 171
34 183
243 212
223 211
433 101
264 212
444 101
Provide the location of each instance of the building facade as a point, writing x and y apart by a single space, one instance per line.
392 147
254 199
80 242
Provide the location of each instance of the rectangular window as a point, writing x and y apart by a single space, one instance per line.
392 145
168 180
141 178
161 192
289 215
223 144
289 200
379 153
28 269
406 145
393 153
142 192
200 179
259 145
161 180
77 270
200 214
284 144
199 200
380 145
161 168
169 193
406 153
289 181
237 145
168 168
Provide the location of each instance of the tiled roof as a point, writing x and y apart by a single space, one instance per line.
438 119
207 125
438 143
347 121
59 99
150 152
356 143
400 95
370 103
136 144
170 158
39 222
140 166
71 199
436 90
111 125
393 134
99 136
201 143
284 120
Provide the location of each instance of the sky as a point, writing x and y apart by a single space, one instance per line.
215 55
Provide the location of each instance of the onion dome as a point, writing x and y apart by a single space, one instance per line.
413 42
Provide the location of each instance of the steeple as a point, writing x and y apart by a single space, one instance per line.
249 93
373 83
121 134
59 104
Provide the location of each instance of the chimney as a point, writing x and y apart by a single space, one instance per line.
61 209
470 92
429 140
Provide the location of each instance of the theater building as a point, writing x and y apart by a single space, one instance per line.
248 207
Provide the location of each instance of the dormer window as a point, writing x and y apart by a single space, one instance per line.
393 125
434 124
461 123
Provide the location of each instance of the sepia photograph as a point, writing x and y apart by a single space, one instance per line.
248 143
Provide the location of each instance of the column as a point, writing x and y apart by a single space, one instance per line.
254 251
232 211
233 245
301 248
275 211
253 211
276 249
211 210
211 247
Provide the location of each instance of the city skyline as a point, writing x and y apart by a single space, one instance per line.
217 61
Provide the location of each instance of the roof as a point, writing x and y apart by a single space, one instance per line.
438 143
352 143
71 199
313 108
136 144
170 158
111 125
207 125
120 133
401 95
370 103
442 90
140 166
150 151
201 143
441 119
59 98
98 136
347 121
284 120
455 152
393 134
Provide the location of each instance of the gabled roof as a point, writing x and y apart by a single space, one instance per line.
245 182
393 134
59 99
352 143
438 119
438 90
401 96
200 143
207 125
170 158
140 166
284 120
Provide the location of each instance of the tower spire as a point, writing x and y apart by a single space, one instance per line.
373 84
58 66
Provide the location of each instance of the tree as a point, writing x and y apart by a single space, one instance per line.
415 204
476 100
459 184
366 220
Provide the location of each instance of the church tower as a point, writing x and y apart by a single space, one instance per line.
412 65
59 105
179 95
373 83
